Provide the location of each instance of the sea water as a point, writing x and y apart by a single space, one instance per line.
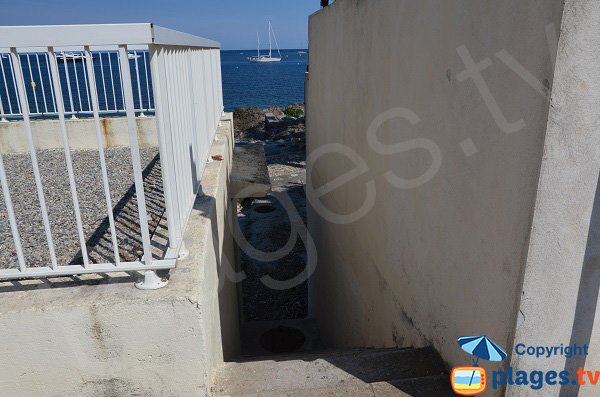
247 84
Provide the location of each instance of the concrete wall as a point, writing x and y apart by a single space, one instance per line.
100 336
82 134
562 277
441 108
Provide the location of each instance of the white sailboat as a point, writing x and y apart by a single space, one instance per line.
266 58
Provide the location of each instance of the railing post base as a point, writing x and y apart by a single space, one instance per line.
183 252
151 281
3 120
142 115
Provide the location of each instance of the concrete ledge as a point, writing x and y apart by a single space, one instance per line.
82 134
250 175
98 335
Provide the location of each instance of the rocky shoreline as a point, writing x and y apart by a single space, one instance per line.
254 122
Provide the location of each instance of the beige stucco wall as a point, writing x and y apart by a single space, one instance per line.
82 134
102 336
439 253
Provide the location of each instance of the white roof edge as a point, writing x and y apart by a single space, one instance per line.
97 35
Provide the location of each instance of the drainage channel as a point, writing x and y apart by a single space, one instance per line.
274 321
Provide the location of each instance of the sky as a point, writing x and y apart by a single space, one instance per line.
233 23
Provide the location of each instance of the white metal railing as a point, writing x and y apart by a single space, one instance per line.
183 86
73 74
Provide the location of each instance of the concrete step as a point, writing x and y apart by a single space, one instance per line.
351 373
430 386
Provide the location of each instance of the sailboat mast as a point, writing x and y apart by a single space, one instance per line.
269 39
258 39
276 43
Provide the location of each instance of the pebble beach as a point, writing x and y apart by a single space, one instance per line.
92 202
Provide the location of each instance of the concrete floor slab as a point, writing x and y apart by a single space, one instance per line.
438 386
345 389
349 373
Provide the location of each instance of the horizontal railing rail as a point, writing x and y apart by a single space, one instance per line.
175 75
129 34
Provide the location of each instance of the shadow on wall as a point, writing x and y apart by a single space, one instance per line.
587 297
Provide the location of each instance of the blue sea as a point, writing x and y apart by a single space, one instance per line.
247 84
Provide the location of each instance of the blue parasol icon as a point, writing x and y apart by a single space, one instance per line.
481 347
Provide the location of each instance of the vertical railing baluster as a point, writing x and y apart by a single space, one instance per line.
199 72
211 78
195 81
147 81
190 131
216 82
37 60
205 79
194 131
181 142
69 89
33 85
51 85
77 84
68 160
2 115
14 79
100 141
11 217
207 73
112 82
214 85
176 128
87 87
10 108
220 81
22 92
135 154
162 108
121 78
103 81
175 107
139 84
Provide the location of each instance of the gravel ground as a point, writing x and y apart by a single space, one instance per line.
92 203
268 231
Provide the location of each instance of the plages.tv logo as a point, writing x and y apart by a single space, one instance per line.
472 381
